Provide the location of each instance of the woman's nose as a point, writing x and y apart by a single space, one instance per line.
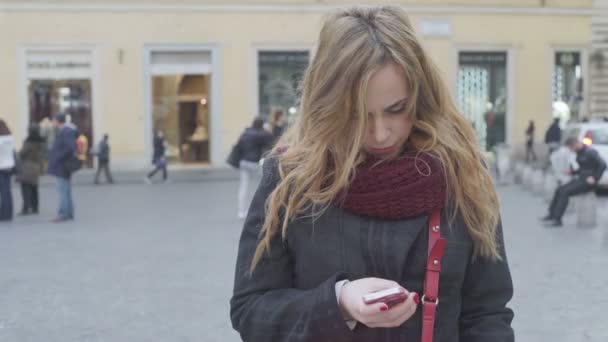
380 131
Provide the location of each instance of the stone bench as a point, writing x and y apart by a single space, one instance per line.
503 163
586 210
528 177
538 182
550 185
519 173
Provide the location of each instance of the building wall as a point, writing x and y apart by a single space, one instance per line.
599 69
513 3
119 37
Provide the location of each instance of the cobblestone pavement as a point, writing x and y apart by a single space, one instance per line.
155 263
560 275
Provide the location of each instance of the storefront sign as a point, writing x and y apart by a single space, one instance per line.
482 58
58 64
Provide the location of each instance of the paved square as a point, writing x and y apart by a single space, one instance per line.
155 263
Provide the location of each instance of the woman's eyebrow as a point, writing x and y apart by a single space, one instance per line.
396 104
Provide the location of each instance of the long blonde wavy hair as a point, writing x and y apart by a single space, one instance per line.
324 146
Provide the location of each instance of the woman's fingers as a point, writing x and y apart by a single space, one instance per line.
372 310
376 317
401 309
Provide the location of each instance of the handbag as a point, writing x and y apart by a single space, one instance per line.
16 169
161 162
235 156
430 298
72 164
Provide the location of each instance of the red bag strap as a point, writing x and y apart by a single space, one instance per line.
430 298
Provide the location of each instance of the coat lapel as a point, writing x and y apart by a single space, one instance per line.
379 248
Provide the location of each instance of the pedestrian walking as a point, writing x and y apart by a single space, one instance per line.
252 144
103 160
31 158
63 162
159 159
7 168
278 124
585 178
530 131
553 136
379 186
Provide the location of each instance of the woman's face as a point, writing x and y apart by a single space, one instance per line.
389 125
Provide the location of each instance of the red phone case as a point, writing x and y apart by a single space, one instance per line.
390 300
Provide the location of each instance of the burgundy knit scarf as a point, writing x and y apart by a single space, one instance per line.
412 186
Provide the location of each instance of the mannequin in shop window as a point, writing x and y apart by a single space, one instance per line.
199 140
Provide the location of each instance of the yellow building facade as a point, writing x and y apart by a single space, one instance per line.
201 70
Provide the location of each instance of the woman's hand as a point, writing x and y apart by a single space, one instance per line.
376 315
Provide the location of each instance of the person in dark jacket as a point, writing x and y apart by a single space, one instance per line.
7 169
530 131
591 168
103 160
378 165
30 168
159 160
62 152
277 124
252 143
553 137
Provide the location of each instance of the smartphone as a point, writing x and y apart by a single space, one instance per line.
390 297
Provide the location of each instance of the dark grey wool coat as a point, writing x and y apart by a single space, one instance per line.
291 295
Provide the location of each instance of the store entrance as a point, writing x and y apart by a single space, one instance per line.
180 111
72 97
483 95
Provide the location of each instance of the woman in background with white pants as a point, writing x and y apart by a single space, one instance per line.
253 143
7 167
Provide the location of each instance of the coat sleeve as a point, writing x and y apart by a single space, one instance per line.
25 150
265 305
600 165
487 290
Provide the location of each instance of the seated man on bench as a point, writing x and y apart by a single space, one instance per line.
591 168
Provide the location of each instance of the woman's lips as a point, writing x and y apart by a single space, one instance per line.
383 151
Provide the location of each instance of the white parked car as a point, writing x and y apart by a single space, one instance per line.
595 135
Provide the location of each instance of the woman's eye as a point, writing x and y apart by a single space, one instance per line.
396 111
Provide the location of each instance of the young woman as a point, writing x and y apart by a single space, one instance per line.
7 168
530 131
253 143
380 184
30 168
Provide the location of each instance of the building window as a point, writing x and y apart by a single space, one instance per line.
482 94
279 75
567 86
